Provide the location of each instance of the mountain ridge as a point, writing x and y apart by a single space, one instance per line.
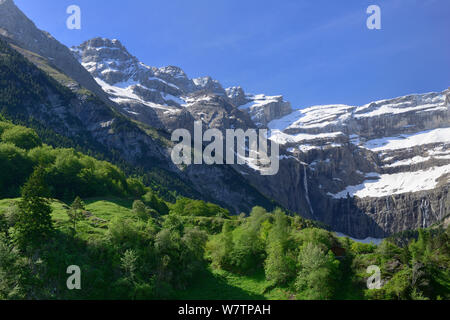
166 90
330 155
331 133
16 26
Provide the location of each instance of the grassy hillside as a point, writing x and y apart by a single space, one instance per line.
210 283
111 228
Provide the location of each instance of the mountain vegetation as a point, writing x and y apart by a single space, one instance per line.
131 244
86 183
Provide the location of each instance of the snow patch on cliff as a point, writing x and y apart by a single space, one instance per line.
283 138
397 183
408 141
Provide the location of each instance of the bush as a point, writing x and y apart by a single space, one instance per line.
320 237
156 203
399 286
279 265
140 210
388 250
249 248
220 248
4 126
15 169
362 248
318 273
198 208
126 234
21 137
136 188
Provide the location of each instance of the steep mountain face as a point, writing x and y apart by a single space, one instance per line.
364 170
31 94
166 98
262 108
76 107
375 169
83 117
16 27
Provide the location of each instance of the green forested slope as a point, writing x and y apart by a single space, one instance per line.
34 93
130 244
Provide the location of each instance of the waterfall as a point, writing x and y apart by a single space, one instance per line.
305 183
425 214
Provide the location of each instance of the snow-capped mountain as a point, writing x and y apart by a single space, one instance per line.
365 170
166 97
388 160
409 136
75 107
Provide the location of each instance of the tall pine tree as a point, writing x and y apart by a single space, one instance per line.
34 222
75 212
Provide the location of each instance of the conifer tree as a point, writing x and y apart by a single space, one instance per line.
75 212
34 222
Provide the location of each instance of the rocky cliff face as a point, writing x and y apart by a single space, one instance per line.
375 169
92 121
15 26
263 109
166 98
365 170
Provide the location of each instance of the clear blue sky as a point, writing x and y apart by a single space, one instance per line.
311 51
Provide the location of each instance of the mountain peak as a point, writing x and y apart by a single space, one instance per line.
99 42
209 84
103 47
173 71
7 2
12 19
129 80
19 29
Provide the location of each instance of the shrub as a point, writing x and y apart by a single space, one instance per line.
140 210
318 271
21 137
15 169
198 208
363 248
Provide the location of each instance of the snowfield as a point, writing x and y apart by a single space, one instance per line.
422 103
408 162
408 141
313 117
397 183
339 114
260 100
283 138
123 93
